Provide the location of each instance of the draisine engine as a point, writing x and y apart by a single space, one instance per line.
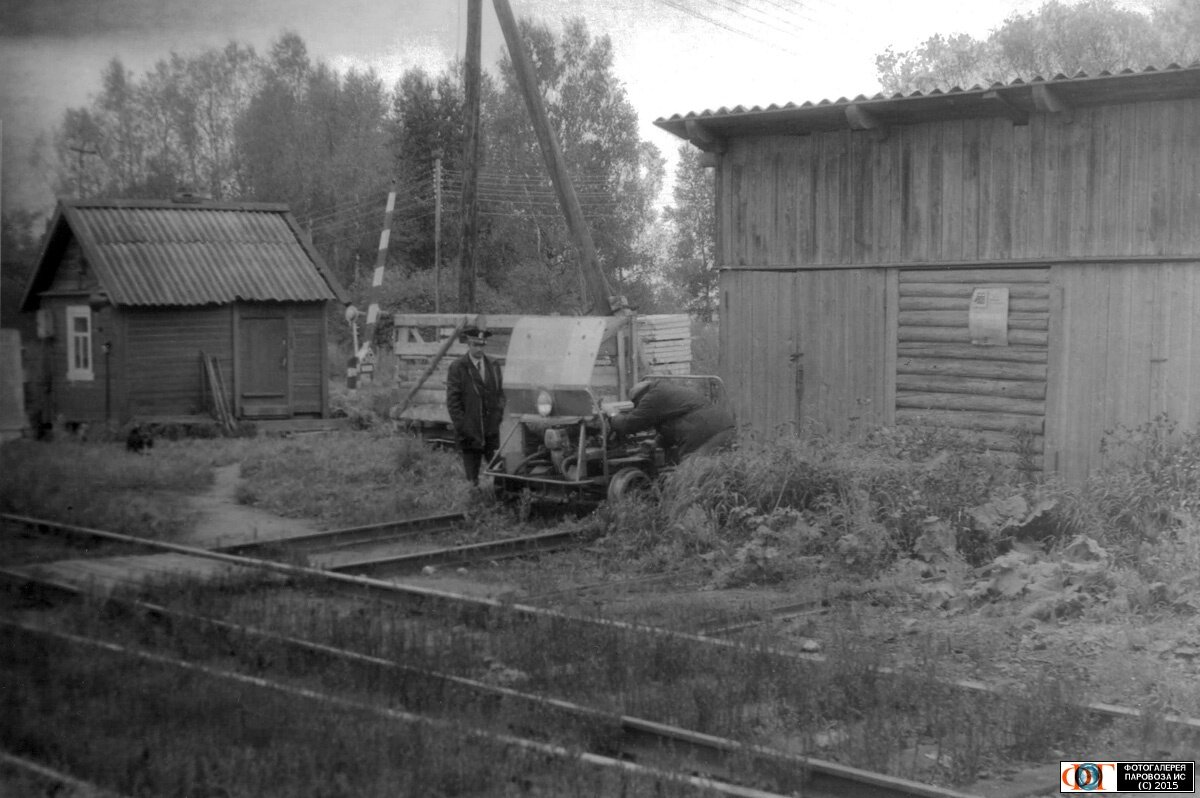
564 377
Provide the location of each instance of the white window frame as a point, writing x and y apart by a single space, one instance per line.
79 344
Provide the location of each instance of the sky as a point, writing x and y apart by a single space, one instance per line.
673 56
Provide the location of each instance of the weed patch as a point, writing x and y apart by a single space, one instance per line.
349 479
103 485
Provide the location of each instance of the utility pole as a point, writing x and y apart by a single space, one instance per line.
600 300
470 200
437 234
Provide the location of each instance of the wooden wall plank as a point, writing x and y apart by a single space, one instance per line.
932 161
891 345
1016 354
970 402
1185 357
1179 353
989 369
951 246
963 419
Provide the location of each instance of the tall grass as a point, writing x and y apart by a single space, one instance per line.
144 728
103 485
748 693
351 478
335 479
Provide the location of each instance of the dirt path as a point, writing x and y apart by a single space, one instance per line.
223 521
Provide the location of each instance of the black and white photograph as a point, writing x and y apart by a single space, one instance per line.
638 398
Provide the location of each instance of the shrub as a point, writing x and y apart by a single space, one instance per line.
861 505
1148 489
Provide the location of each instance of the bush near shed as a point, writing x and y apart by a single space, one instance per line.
770 510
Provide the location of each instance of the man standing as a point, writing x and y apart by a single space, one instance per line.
475 399
685 421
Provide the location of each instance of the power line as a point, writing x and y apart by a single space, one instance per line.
680 5
752 13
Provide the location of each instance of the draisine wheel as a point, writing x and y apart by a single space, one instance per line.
628 481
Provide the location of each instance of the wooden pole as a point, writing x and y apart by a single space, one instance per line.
598 300
437 235
470 200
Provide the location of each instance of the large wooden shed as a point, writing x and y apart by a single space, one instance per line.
1019 257
129 294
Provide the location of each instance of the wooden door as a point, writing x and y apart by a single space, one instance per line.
265 364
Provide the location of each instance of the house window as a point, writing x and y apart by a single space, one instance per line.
79 343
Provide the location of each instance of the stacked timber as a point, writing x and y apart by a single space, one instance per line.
665 341
996 391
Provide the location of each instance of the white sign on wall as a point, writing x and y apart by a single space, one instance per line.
987 319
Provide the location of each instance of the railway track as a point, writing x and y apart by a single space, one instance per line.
644 742
627 742
485 608
352 537
401 593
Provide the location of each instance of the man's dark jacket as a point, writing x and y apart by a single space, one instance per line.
476 403
685 420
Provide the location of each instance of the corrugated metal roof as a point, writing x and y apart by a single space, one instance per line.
1016 100
164 253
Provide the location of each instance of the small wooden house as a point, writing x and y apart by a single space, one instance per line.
129 296
1021 260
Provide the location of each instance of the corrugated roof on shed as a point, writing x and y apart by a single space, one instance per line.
162 253
1016 100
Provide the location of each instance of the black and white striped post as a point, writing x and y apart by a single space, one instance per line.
362 364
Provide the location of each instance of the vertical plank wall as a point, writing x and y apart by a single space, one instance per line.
1127 349
758 341
163 360
1098 182
806 351
308 377
844 346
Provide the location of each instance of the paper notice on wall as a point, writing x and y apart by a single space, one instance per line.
987 320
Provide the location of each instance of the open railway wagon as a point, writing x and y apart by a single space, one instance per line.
659 344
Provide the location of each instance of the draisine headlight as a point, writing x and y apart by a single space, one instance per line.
545 403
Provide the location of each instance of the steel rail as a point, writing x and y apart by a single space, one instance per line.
416 593
351 536
456 555
48 774
450 727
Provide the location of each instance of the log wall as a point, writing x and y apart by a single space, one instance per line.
998 393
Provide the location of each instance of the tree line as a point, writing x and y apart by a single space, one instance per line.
235 125
1058 38
278 127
